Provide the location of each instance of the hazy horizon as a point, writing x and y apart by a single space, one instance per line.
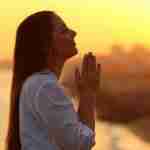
98 23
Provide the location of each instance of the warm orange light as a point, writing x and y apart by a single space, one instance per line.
99 23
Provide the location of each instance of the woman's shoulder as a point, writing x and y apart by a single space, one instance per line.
36 80
43 85
54 93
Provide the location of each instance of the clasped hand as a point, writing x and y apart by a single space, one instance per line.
88 80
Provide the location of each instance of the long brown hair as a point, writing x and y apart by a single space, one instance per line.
33 39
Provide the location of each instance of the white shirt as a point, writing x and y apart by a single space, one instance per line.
48 120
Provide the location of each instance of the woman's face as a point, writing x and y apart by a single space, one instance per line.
63 42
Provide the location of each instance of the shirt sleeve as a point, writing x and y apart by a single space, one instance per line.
58 114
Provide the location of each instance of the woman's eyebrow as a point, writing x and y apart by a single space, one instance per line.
64 25
61 25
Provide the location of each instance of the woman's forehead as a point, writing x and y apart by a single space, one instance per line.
58 21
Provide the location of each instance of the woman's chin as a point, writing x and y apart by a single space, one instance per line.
73 52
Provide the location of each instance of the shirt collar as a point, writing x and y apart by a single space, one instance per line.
52 74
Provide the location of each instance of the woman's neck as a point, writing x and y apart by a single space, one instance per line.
56 67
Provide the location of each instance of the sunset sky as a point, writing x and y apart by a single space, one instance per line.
99 23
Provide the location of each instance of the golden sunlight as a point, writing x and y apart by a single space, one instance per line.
99 23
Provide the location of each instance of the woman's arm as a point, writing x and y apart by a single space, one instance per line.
60 118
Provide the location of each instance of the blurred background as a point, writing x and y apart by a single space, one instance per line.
118 33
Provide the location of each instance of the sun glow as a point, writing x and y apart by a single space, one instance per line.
98 23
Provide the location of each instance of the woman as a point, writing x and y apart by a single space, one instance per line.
42 117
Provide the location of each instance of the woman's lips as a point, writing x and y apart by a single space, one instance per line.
72 43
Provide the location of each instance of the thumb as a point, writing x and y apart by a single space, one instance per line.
77 75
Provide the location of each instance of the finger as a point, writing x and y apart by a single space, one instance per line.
91 66
91 63
98 71
77 79
77 75
84 66
99 68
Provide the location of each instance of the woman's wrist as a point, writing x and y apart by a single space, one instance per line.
86 110
87 99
